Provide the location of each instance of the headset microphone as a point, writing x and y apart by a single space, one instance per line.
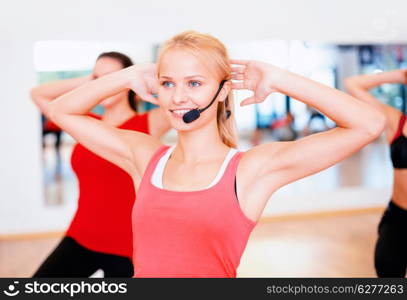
194 114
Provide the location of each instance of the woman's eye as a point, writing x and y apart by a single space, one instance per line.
194 83
167 84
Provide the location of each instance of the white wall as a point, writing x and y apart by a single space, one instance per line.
23 22
154 20
20 176
56 55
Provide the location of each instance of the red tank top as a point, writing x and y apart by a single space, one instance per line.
51 126
102 221
188 234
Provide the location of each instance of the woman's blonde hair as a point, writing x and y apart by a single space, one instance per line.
212 50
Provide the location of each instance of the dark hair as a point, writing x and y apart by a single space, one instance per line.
126 62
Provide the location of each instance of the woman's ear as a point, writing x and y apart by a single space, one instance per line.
224 92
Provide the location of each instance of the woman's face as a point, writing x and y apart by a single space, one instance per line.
104 66
187 83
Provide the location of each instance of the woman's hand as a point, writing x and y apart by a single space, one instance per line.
143 81
255 76
130 150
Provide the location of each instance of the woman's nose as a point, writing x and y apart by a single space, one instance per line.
179 96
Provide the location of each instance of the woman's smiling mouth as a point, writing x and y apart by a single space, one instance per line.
180 112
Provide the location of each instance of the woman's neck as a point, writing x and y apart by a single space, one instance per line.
200 145
118 113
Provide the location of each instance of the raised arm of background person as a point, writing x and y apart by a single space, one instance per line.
265 168
128 149
359 86
43 94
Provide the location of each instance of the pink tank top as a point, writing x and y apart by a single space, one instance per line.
188 234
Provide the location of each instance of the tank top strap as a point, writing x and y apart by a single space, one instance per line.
152 164
400 127
229 175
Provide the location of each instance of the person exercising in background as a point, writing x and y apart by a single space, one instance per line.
391 246
99 236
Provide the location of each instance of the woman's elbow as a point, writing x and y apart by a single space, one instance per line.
350 84
53 112
375 124
34 94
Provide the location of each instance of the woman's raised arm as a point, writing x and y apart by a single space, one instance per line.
359 86
279 163
127 149
43 94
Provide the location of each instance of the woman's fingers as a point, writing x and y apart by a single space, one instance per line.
250 100
239 62
149 98
147 92
238 70
238 76
154 84
239 85
256 98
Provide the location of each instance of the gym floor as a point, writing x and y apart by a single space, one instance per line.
306 247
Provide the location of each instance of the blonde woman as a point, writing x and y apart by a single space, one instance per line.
199 200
